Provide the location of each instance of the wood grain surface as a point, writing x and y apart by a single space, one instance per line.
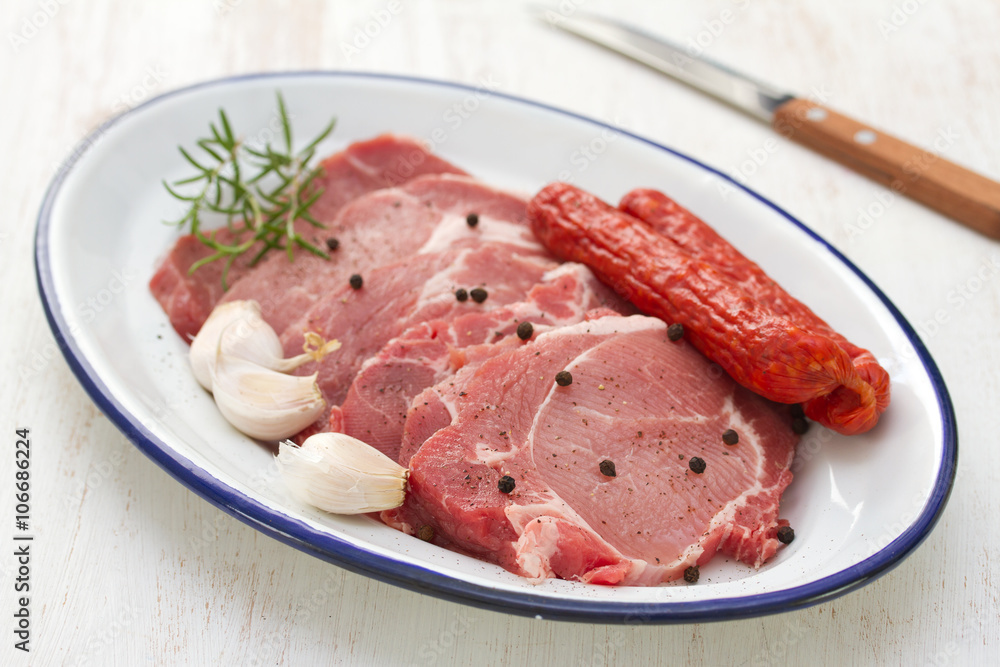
131 568
923 175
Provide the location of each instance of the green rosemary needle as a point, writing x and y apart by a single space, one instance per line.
261 191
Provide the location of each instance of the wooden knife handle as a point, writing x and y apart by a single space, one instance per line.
925 176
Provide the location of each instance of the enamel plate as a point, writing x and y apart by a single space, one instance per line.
100 235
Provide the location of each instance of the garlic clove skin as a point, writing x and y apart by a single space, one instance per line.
341 474
205 345
313 349
253 340
239 330
263 403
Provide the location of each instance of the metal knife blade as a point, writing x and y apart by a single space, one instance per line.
738 90
921 175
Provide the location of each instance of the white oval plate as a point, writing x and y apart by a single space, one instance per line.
100 236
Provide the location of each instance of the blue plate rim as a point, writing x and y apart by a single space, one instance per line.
414 577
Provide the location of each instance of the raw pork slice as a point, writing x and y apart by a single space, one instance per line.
638 400
387 160
427 214
377 402
396 297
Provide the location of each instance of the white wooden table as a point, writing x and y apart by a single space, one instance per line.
131 568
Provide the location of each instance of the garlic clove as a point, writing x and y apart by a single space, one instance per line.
253 340
264 403
313 349
341 474
205 345
238 328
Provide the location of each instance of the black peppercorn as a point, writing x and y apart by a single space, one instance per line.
786 534
525 330
356 281
506 484
472 219
730 437
332 243
564 378
796 410
461 294
800 425
675 331
608 468
426 533
478 294
692 574
697 464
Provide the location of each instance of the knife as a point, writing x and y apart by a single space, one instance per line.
924 176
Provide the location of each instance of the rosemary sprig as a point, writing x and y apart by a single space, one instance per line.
261 191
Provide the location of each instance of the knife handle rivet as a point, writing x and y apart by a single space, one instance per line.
816 114
865 137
